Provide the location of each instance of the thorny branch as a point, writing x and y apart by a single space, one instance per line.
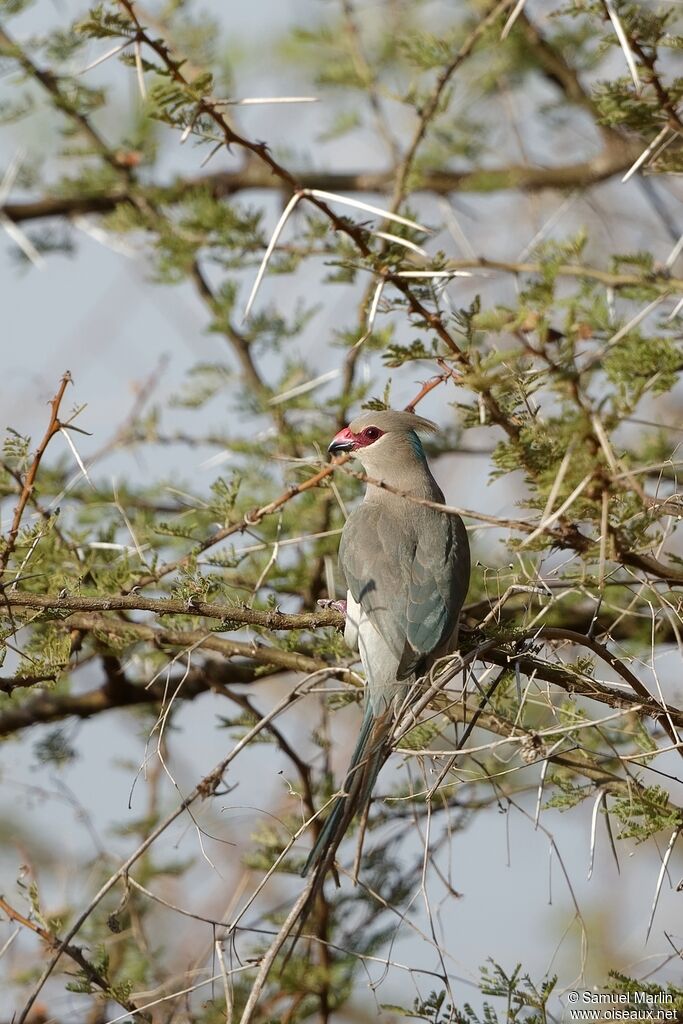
53 427
49 707
224 184
230 615
206 106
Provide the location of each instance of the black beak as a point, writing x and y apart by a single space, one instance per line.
337 447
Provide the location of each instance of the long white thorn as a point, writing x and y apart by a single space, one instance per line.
253 101
623 43
374 305
514 14
388 237
15 233
105 56
269 251
674 254
23 241
140 71
10 175
434 273
367 207
74 452
676 310
302 389
594 824
660 878
188 128
645 154
539 795
546 522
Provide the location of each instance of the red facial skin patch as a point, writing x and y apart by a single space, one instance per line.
366 437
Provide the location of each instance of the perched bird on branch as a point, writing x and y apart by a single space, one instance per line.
407 569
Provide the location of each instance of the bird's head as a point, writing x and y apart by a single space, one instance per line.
379 438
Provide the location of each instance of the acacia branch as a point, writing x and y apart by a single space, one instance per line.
204 105
230 615
148 204
161 637
9 684
663 715
565 535
574 683
253 518
50 706
660 279
429 109
53 427
240 346
51 83
649 63
223 184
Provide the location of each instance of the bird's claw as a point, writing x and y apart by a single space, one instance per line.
326 603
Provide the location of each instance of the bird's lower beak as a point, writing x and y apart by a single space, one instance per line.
337 447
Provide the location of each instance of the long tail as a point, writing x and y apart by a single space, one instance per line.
365 765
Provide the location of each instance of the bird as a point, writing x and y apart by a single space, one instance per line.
407 569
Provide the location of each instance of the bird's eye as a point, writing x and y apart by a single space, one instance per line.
372 433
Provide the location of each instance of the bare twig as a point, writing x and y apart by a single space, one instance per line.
75 952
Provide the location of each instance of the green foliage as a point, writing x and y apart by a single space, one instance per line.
567 795
12 7
669 997
397 355
642 364
55 748
647 812
522 1000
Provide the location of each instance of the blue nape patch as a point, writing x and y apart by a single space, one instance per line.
416 445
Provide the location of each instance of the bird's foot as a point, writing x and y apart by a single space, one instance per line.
338 606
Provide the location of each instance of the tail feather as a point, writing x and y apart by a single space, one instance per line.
366 763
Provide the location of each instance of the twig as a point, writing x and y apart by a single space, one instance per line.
273 950
226 613
54 426
76 954
429 108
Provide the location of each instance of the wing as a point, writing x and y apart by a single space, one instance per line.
439 579
409 573
375 557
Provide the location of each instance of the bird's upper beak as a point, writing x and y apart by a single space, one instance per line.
344 441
